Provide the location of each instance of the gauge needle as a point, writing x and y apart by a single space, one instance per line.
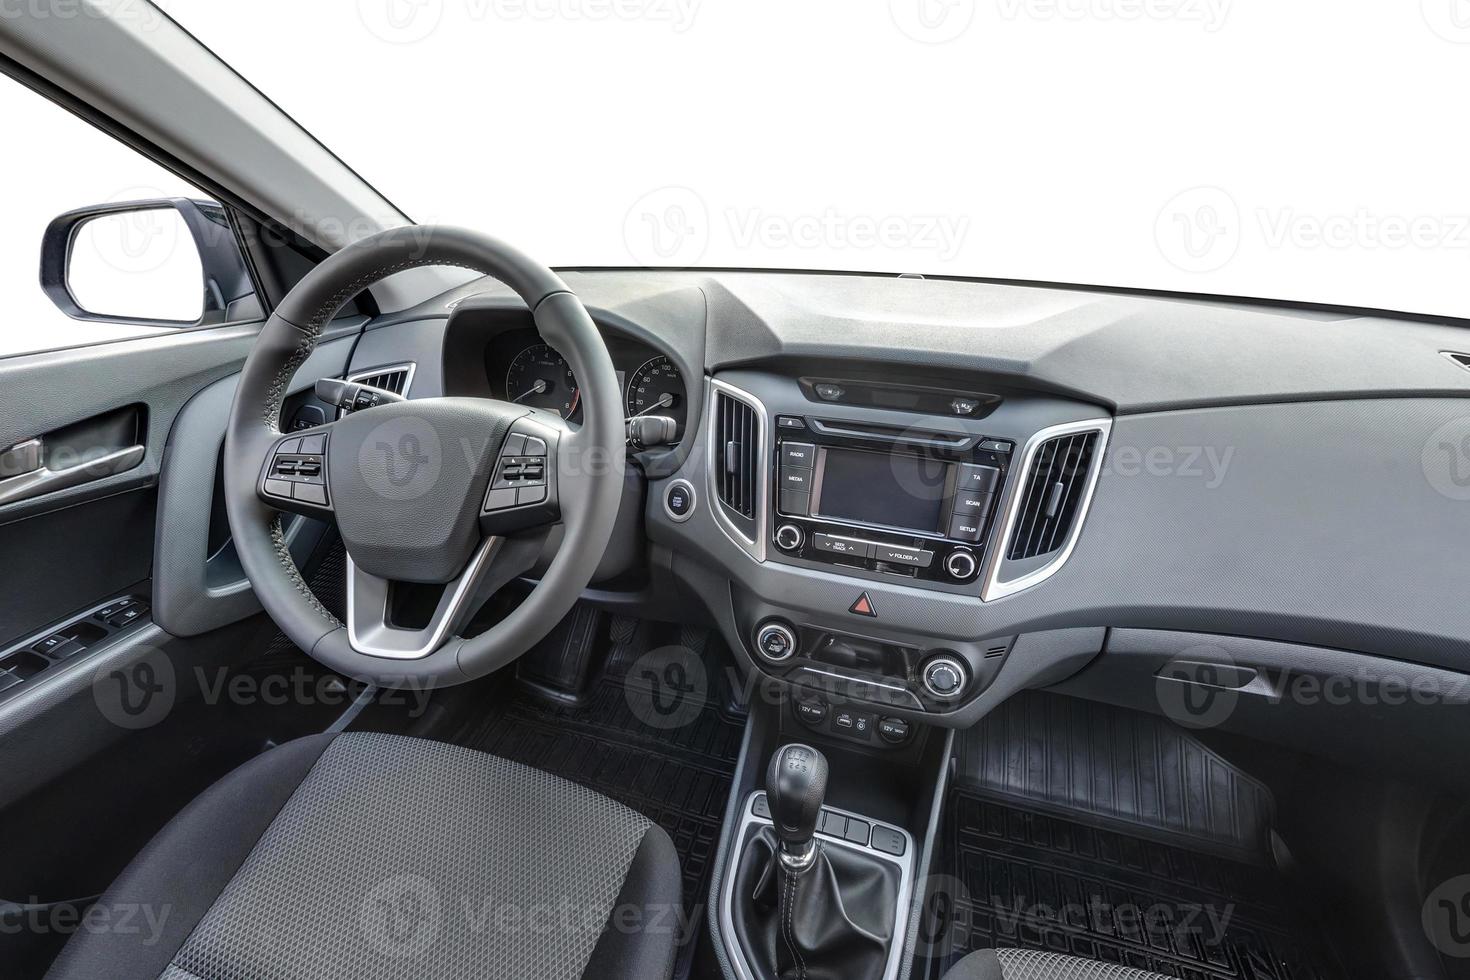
539 388
666 400
576 399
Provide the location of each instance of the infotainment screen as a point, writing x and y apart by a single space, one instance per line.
896 490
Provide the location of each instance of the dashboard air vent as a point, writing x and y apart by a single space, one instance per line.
395 378
737 458
1052 495
1461 359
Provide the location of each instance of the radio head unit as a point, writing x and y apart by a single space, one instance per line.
910 503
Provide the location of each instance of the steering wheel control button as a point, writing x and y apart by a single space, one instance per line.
776 642
944 677
894 554
679 501
311 493
789 537
961 565
894 731
297 471
515 445
835 545
863 607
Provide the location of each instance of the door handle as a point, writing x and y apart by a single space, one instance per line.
38 479
20 459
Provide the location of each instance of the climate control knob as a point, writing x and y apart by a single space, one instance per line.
775 641
961 564
788 537
945 677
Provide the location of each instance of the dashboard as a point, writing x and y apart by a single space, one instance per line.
947 492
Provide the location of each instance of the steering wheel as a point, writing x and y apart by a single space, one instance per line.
453 497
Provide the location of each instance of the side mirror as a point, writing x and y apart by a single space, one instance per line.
143 262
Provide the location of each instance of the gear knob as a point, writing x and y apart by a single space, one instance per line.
796 784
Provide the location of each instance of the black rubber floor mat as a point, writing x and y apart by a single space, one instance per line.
1022 879
650 735
1096 762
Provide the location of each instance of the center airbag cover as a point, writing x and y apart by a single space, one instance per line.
407 481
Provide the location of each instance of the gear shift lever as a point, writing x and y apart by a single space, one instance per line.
796 784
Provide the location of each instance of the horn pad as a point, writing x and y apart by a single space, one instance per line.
408 479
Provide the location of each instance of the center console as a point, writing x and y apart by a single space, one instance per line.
906 502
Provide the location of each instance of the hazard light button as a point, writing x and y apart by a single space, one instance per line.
863 607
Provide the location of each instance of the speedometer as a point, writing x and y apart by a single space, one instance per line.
657 388
541 378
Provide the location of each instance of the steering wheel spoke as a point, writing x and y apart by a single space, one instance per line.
293 477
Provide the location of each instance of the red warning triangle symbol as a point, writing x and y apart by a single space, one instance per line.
863 607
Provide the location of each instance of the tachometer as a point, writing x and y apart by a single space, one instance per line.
541 378
657 388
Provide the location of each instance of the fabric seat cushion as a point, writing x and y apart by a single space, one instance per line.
369 856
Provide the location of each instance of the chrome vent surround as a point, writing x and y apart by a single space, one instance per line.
739 463
397 378
1045 505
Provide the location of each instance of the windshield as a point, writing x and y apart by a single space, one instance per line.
1305 151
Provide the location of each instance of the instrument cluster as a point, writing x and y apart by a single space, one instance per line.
524 369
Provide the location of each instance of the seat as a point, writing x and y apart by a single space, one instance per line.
364 856
1031 964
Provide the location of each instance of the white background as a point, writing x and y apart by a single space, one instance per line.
1305 150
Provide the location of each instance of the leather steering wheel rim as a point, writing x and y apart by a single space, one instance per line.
596 450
